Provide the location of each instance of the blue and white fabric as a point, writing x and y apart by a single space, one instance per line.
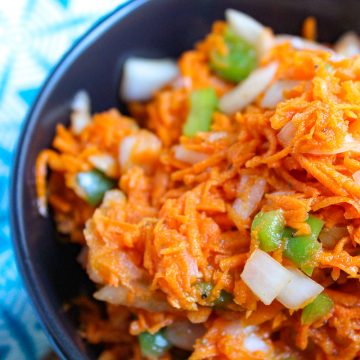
34 34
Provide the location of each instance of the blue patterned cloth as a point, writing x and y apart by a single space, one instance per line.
34 34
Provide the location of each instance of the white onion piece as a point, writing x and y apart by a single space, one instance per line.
142 299
80 112
143 77
142 149
245 206
265 276
286 134
188 156
104 162
248 90
183 334
348 44
253 342
265 42
251 339
300 43
244 26
275 93
349 144
81 102
216 135
330 236
299 291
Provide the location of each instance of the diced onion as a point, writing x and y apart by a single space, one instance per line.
330 236
265 276
275 93
253 343
299 291
104 162
286 134
216 135
244 26
142 299
252 339
188 156
81 102
348 44
265 43
143 77
183 334
142 149
245 206
81 113
248 90
349 144
300 43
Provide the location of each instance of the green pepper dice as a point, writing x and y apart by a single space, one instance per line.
302 249
268 228
238 61
321 306
224 299
153 345
205 288
203 103
94 184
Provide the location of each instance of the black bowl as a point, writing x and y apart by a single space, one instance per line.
154 28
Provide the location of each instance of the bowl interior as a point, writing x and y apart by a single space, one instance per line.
146 28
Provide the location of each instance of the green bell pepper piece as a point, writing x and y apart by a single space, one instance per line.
94 184
301 249
321 306
224 299
153 345
203 103
268 229
205 289
239 60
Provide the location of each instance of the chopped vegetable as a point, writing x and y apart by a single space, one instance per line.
183 334
238 61
205 289
244 26
275 93
330 236
141 148
251 189
268 228
348 44
316 310
143 77
248 90
153 345
225 298
94 184
286 134
288 233
188 156
302 249
299 290
80 112
202 106
265 276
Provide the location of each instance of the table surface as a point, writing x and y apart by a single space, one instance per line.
34 35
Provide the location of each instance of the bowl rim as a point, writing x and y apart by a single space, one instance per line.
61 342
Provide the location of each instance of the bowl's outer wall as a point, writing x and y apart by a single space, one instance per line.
154 28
